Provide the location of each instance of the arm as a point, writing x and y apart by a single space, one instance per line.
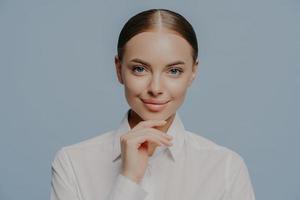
62 178
63 185
125 188
239 185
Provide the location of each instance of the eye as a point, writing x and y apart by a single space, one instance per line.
174 70
138 68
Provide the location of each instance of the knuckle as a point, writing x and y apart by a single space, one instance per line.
126 142
148 129
130 142
123 139
157 131
143 124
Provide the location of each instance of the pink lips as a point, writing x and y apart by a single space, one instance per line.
154 101
154 104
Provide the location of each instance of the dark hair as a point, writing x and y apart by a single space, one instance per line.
154 18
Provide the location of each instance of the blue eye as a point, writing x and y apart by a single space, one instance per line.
180 71
138 69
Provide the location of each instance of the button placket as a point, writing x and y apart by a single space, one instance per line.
148 182
149 169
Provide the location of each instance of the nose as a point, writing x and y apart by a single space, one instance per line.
155 87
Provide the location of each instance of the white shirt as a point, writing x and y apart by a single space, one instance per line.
193 168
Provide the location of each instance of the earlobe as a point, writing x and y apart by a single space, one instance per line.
194 73
118 69
196 66
192 79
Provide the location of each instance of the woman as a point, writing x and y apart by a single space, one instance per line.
151 156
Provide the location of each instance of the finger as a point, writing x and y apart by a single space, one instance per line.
151 131
138 141
158 132
149 123
161 138
149 138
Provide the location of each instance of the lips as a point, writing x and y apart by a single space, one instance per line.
155 105
154 101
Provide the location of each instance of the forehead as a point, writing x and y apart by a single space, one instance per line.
158 47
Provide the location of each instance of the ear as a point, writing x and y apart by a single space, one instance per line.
194 72
118 69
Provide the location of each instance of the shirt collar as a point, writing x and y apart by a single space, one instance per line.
176 129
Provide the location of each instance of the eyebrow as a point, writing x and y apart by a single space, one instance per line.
146 63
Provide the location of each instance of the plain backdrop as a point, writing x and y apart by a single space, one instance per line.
58 85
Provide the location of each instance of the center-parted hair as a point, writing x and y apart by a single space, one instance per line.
156 19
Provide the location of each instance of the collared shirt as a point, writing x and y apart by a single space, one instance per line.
193 168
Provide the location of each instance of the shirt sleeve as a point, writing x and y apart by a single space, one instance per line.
125 188
239 185
63 185
62 179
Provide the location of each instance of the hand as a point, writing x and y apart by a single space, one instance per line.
138 144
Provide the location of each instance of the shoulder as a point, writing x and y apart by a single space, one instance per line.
226 159
230 163
101 139
99 143
199 143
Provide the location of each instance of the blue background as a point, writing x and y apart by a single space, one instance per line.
58 85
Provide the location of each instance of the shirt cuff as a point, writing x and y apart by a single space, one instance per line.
126 188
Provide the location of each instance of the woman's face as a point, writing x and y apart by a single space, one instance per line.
156 70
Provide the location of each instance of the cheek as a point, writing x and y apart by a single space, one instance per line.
134 85
177 88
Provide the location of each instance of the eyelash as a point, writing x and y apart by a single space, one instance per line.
139 66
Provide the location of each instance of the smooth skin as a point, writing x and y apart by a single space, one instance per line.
150 70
